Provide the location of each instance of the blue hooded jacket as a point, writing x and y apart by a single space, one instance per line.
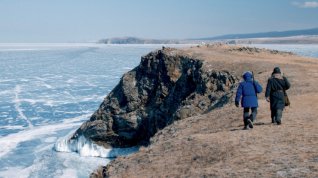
248 90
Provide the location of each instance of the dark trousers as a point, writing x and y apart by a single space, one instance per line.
247 115
276 115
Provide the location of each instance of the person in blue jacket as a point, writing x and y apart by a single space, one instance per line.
247 93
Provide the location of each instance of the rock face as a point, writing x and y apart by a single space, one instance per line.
165 87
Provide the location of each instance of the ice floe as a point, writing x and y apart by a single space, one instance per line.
86 147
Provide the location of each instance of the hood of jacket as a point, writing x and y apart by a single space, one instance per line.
247 76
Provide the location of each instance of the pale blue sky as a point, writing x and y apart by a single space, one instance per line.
91 20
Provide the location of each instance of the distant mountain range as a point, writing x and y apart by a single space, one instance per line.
134 40
306 36
273 34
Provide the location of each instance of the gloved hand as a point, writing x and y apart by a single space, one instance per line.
237 104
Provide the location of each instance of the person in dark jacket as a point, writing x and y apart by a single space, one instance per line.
277 84
247 93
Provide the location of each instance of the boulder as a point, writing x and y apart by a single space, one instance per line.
164 87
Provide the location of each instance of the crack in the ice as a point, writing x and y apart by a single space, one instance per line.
17 103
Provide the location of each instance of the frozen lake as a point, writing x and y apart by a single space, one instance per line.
46 92
310 50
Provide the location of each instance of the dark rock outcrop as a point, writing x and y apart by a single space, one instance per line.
253 50
165 87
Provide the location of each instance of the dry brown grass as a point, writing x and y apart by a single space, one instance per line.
213 145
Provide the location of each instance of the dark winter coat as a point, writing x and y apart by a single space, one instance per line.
275 91
248 90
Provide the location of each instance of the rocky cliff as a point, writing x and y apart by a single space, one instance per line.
164 87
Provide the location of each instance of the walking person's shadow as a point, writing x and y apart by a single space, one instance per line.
256 123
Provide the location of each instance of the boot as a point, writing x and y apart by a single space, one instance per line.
273 120
250 123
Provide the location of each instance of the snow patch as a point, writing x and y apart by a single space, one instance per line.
12 127
68 173
11 141
20 172
50 139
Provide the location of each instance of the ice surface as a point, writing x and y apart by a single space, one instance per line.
48 90
310 50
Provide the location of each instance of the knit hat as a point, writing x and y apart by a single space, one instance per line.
276 70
